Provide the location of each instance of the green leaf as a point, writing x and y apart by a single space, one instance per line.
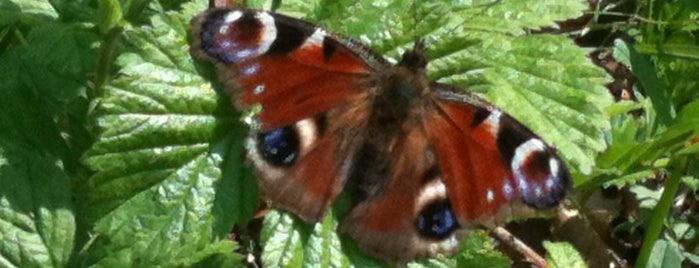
172 4
685 51
36 219
155 118
323 247
110 15
691 182
75 10
37 223
692 4
545 81
478 251
621 52
62 55
133 9
634 156
155 198
30 12
692 149
688 114
282 239
624 140
562 254
168 224
288 242
548 84
432 263
694 258
665 253
35 128
238 200
653 85
647 198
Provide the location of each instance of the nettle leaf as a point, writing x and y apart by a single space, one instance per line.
75 10
62 55
545 81
52 64
159 157
562 254
548 84
283 237
37 225
168 225
478 251
323 246
289 242
31 12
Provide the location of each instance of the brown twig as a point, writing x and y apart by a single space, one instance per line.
530 255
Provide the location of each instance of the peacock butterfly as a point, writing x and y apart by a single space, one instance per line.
424 162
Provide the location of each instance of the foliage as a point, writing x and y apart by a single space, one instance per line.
658 146
117 149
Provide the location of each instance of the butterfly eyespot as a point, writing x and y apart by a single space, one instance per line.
279 147
541 181
437 220
236 36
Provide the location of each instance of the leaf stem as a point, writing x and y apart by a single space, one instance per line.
633 17
661 210
20 37
106 58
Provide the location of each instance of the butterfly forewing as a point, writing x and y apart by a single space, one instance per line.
293 69
306 83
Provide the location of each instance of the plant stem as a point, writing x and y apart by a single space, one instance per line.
661 210
106 58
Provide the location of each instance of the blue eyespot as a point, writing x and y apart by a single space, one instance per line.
231 41
437 220
279 147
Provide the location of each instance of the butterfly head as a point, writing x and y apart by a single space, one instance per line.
415 58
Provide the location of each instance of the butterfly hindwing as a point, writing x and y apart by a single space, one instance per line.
450 171
410 215
491 163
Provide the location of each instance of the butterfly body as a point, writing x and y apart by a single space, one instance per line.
422 161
